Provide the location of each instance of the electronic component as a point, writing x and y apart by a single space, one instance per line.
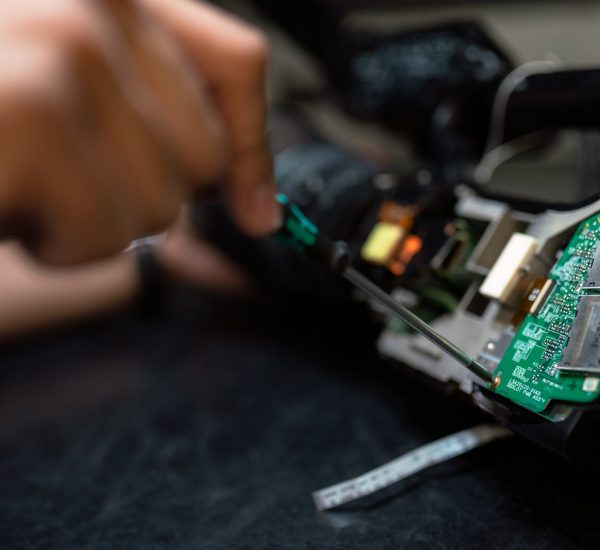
534 300
510 268
383 241
541 296
593 276
389 243
550 349
452 253
582 354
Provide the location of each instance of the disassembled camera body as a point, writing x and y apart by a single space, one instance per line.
518 290
530 313
516 287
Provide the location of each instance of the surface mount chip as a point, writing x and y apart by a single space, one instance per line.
582 354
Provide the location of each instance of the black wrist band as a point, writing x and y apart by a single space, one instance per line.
153 281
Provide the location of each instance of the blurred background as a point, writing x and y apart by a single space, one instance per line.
527 31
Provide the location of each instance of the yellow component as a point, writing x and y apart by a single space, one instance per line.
382 243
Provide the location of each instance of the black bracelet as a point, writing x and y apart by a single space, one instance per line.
153 281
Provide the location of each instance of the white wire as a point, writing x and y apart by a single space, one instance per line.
407 465
497 152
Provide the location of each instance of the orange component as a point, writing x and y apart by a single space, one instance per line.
401 216
406 252
396 268
391 212
412 245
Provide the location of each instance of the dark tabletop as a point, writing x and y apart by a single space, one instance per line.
208 426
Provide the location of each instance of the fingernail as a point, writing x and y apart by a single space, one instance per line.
266 208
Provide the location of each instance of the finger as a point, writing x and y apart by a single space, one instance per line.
173 95
75 216
123 147
196 262
72 215
76 223
233 59
168 96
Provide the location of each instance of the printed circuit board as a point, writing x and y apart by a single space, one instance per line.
555 352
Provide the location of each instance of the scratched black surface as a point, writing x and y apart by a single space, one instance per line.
208 427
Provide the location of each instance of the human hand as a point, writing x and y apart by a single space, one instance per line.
110 109
188 257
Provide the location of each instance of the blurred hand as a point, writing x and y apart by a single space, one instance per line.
189 258
35 296
110 108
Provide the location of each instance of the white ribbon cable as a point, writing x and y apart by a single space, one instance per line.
407 465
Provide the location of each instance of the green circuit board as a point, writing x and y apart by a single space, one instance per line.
528 370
